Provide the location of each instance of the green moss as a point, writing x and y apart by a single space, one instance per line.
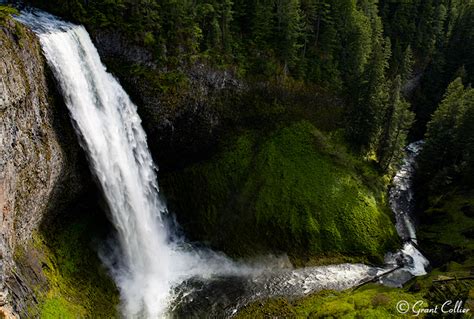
59 308
290 189
6 12
76 283
372 301
447 227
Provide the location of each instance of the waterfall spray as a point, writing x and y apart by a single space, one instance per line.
148 266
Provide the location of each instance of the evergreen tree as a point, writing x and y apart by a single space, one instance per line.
321 42
182 34
397 123
214 18
406 66
465 136
366 116
460 50
288 31
262 23
444 145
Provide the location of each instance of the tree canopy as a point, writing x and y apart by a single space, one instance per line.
387 59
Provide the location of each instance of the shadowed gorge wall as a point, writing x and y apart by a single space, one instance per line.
248 117
43 171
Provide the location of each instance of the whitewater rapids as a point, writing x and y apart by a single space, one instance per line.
159 275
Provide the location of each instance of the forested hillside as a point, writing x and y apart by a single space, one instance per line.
278 126
377 55
369 74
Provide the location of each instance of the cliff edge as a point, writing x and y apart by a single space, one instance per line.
38 166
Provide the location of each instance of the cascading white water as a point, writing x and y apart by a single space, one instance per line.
401 200
150 267
111 133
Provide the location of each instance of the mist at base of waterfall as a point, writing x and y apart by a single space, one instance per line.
145 261
156 273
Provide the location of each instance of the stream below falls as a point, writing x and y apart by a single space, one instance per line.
158 274
224 296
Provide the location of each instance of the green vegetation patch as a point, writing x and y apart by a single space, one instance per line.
77 285
447 227
5 12
372 301
288 190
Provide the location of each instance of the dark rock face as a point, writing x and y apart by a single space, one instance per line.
111 44
184 127
40 159
181 119
42 168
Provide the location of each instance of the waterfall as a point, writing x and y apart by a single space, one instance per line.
110 130
151 270
401 194
401 199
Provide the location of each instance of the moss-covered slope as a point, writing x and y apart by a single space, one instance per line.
62 266
447 228
445 236
287 190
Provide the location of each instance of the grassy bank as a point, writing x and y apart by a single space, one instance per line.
445 236
372 301
291 189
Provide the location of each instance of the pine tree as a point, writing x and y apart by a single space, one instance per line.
397 122
214 18
366 117
443 147
288 29
465 139
406 67
262 23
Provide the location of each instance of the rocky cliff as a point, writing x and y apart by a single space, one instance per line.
43 171
226 163
181 106
39 170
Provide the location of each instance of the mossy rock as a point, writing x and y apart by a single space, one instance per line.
6 12
290 190
62 267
